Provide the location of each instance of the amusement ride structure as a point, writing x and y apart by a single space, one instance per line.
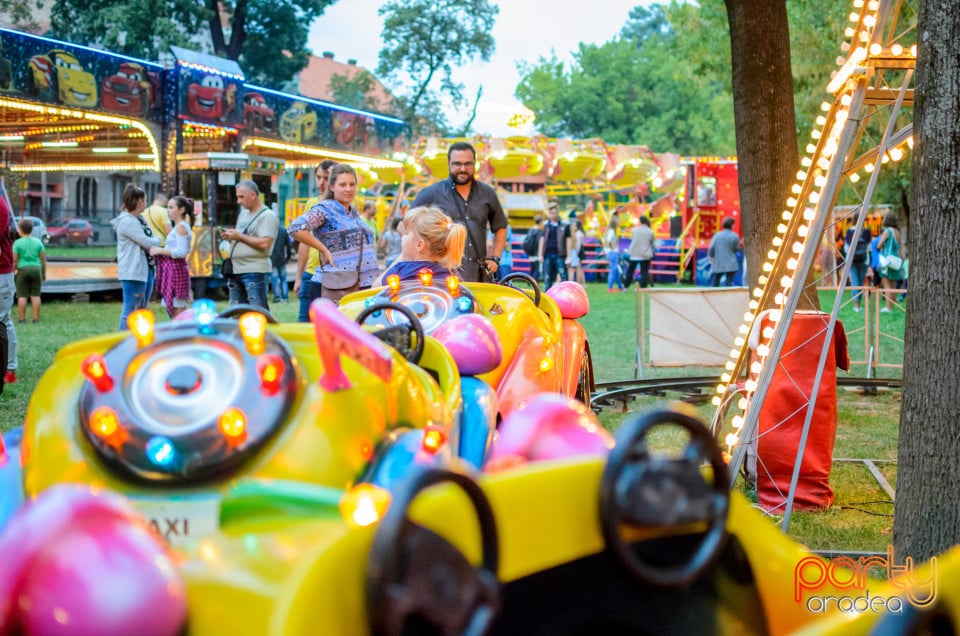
867 124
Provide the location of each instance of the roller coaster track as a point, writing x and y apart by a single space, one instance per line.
700 389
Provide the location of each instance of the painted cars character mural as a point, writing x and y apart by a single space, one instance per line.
131 90
355 132
205 99
6 71
258 117
60 74
298 124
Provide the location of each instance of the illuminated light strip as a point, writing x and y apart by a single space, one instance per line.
33 132
851 66
201 127
61 167
320 152
82 114
73 45
317 102
209 69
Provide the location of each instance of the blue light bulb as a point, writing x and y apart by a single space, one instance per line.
161 451
464 304
204 313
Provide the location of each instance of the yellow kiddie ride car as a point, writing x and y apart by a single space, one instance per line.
544 347
173 415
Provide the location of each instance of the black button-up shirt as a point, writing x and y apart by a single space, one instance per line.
480 212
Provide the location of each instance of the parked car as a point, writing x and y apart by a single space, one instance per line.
70 232
39 227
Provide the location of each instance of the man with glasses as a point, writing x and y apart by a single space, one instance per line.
307 290
474 204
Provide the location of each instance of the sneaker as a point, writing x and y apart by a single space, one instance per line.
885 310
10 377
857 309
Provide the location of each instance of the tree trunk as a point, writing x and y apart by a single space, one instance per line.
765 123
927 514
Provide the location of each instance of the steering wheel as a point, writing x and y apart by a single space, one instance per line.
647 490
413 574
527 278
407 338
235 311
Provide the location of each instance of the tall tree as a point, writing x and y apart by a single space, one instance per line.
424 40
927 514
653 85
268 39
767 153
355 91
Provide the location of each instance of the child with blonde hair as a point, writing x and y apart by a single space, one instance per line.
429 240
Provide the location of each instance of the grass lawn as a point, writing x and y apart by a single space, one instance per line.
861 518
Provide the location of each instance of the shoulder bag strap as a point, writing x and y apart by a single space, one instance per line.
249 225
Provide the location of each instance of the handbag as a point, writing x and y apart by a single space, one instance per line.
891 262
226 266
337 284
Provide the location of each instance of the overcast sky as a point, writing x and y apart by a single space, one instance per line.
524 30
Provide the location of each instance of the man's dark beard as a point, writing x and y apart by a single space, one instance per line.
462 178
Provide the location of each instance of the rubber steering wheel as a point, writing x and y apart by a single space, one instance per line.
408 338
527 278
413 573
667 492
235 311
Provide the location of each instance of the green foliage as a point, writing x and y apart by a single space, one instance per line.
423 42
268 39
652 85
144 29
274 46
22 13
355 91
816 34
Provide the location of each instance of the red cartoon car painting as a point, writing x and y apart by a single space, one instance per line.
258 117
205 100
131 90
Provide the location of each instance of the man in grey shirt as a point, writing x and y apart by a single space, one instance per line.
723 254
475 205
641 252
251 248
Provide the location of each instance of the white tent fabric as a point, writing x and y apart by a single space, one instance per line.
695 327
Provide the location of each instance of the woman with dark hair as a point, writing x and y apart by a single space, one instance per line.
134 240
891 271
345 242
173 274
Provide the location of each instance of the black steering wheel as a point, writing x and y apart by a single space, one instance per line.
407 338
527 278
667 492
415 578
235 311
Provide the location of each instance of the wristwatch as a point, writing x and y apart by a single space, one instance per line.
495 259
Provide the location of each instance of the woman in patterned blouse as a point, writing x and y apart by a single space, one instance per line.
336 230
